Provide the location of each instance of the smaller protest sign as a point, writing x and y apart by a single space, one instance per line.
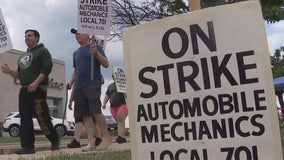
100 41
5 40
119 79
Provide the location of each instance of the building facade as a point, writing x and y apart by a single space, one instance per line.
9 87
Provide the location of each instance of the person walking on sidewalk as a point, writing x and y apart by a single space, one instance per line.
118 109
79 127
87 90
34 66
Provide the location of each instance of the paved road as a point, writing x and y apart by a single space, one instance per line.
43 150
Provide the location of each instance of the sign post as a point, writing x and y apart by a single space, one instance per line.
5 40
194 5
201 87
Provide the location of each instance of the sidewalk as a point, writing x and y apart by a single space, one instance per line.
7 151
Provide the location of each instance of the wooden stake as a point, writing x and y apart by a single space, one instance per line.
194 5
1 60
92 59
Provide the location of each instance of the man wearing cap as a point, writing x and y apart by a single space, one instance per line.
87 90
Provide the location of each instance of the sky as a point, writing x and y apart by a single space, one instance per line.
54 19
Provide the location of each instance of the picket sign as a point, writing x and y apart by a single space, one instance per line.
5 40
200 86
119 79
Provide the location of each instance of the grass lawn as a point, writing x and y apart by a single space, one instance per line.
43 138
119 155
38 138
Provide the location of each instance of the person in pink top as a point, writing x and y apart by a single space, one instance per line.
118 109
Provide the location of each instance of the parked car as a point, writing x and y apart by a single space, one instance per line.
111 122
11 124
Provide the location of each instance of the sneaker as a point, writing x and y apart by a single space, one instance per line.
120 139
74 144
88 148
25 151
98 141
104 144
55 145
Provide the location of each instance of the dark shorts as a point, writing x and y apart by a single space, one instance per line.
87 101
80 119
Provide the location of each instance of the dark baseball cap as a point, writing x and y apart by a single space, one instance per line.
74 31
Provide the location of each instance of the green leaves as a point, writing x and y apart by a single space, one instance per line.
277 61
273 10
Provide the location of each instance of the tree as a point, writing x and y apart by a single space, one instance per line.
272 9
277 61
127 13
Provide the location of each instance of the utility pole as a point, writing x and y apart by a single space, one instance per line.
194 5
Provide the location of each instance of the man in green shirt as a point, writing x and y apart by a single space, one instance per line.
34 66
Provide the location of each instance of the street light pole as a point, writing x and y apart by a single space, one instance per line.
194 5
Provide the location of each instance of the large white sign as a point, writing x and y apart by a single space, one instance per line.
94 17
5 40
200 86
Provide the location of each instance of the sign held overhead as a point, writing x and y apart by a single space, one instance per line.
94 17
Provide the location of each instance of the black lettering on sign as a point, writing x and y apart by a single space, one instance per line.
209 105
104 2
201 130
195 31
242 152
179 154
219 68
